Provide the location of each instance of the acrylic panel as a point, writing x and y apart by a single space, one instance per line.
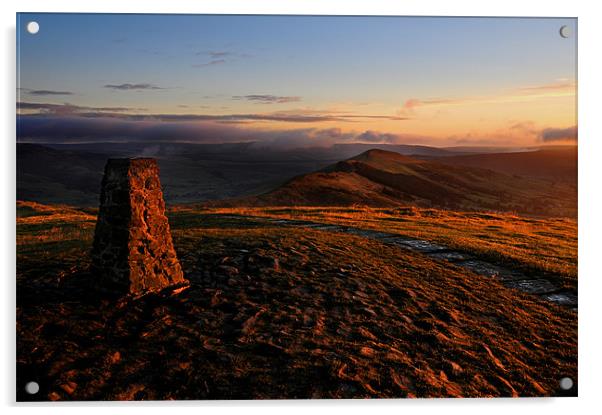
295 207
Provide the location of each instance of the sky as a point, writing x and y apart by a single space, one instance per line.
296 80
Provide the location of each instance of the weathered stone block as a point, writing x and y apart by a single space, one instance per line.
133 251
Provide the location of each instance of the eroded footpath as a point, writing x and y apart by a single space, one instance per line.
541 286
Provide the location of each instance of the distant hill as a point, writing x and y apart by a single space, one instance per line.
258 150
250 173
190 172
556 163
344 151
383 178
71 173
49 175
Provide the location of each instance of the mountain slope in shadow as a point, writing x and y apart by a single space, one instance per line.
553 163
384 179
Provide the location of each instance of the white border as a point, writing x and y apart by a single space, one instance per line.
590 207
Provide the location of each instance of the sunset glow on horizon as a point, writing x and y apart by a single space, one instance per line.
303 80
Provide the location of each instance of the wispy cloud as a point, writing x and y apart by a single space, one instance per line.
267 99
524 128
62 109
563 86
533 92
370 136
46 92
132 87
411 104
216 54
219 57
210 63
293 116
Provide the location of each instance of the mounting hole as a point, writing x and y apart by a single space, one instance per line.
33 27
32 388
565 31
566 384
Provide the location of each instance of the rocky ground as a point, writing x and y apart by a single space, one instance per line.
278 311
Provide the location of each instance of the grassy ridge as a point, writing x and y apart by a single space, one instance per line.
384 179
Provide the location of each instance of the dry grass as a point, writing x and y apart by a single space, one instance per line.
42 224
546 245
281 312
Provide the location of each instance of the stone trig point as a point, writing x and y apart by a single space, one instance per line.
133 252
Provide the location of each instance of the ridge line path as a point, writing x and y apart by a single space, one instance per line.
539 286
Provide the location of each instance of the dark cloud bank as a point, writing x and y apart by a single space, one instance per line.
74 128
63 123
559 134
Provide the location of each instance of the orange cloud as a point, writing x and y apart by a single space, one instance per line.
556 86
555 89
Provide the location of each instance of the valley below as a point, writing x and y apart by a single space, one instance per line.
539 182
